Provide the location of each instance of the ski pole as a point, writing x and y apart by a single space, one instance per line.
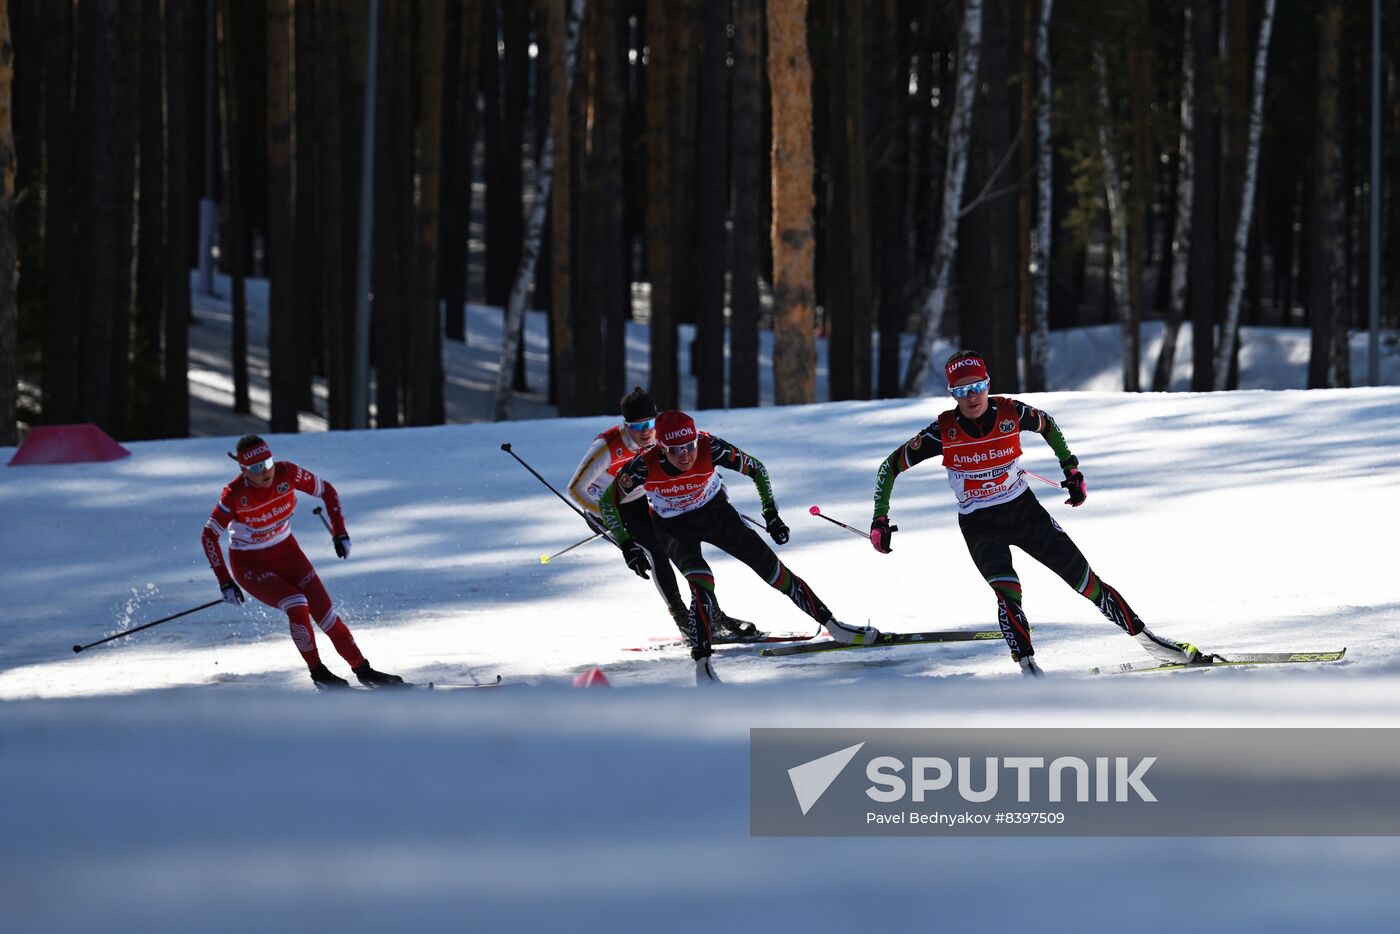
320 514
753 522
581 514
506 447
545 559
1040 478
164 619
817 511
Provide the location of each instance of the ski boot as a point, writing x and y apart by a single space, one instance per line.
735 630
850 635
376 679
1168 650
681 616
1029 667
327 680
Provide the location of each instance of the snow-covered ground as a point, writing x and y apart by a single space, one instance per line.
187 778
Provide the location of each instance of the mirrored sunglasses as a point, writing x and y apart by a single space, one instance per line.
970 389
645 425
679 449
259 467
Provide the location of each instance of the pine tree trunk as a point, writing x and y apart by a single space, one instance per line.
1181 225
749 172
457 177
60 397
561 318
1025 199
534 230
861 249
99 104
888 141
790 81
1246 202
660 228
233 198
1140 64
1205 159
1038 356
1330 364
834 263
150 253
330 212
422 385
713 167
683 18
309 227
178 232
615 283
955 173
987 308
282 221
9 252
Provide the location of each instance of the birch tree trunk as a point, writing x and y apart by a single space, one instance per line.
1039 356
931 313
1117 223
1181 229
530 247
790 81
1226 349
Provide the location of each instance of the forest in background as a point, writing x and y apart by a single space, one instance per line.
989 169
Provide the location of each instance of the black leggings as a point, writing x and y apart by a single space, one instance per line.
1023 522
719 524
636 516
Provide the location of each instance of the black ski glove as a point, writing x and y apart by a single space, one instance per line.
636 559
1078 490
777 528
232 594
881 532
342 545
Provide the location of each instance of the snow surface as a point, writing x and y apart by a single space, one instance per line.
188 778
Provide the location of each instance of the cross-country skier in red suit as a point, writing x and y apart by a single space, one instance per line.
256 508
980 442
690 506
610 452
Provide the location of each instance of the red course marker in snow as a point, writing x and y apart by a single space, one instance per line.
67 444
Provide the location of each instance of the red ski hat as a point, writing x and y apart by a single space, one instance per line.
674 427
965 365
251 450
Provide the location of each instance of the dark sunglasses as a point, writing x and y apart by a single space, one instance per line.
645 425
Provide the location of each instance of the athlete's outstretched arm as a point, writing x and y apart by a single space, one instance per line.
916 450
